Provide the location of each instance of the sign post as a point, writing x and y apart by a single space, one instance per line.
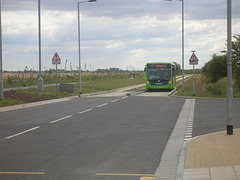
193 61
56 60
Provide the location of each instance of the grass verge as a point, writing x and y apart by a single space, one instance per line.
96 84
205 89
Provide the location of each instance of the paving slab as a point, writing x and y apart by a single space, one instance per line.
213 150
223 173
213 156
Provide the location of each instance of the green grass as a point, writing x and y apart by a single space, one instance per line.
205 89
105 82
95 83
103 85
9 102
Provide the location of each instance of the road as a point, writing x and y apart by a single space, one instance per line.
211 116
101 137
87 138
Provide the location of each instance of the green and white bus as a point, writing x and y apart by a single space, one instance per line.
160 75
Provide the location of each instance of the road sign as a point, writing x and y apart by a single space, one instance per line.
56 59
193 60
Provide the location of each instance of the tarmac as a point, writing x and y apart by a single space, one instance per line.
213 157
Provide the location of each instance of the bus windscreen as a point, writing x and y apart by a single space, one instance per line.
159 72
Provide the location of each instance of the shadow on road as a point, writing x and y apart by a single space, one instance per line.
158 90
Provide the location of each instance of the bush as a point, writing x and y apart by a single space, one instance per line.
214 89
216 68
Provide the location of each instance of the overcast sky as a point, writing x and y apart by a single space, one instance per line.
114 33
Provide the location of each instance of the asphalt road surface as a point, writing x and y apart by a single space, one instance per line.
105 137
210 116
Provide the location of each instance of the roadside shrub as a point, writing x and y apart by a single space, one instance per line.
214 89
216 68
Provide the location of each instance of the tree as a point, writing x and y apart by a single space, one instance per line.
216 68
236 59
178 67
236 51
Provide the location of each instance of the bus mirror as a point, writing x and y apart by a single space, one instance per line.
145 69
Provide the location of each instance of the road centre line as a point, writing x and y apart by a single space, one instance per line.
32 129
85 111
115 100
124 97
61 119
102 105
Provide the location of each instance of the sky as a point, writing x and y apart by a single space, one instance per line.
123 34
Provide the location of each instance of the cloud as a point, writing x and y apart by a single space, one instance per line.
114 33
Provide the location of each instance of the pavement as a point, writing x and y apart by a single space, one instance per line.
213 157
126 91
172 159
117 92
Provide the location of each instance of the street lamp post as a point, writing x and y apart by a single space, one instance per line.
182 43
1 69
40 79
229 69
79 47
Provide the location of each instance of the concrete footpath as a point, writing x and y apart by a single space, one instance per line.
213 157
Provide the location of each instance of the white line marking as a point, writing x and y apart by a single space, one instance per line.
85 111
189 128
61 119
115 100
22 132
102 105
124 97
187 139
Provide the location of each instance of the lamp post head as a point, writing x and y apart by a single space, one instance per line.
87 1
